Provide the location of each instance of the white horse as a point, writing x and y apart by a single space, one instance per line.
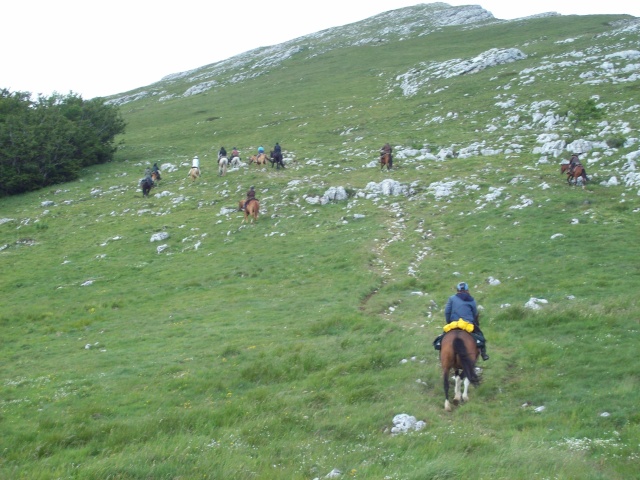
235 162
222 165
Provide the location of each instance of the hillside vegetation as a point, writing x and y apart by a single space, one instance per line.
286 348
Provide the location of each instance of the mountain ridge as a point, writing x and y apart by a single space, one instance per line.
408 20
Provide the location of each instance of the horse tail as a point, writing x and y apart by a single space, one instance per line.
467 363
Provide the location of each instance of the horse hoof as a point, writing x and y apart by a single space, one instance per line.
456 401
447 406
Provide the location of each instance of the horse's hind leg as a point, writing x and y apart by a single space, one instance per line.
457 393
445 381
465 393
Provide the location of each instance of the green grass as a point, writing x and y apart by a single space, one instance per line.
277 350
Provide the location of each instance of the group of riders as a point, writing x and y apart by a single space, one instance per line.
461 310
276 154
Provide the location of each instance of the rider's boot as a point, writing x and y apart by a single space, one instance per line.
483 353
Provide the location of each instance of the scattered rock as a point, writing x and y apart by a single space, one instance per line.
160 236
404 423
534 303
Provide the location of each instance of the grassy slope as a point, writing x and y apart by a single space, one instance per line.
271 351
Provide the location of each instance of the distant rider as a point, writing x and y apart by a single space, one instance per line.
251 195
156 170
573 163
235 153
387 149
277 154
195 163
222 153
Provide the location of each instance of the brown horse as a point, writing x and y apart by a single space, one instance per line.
250 210
260 159
194 173
385 159
576 175
459 351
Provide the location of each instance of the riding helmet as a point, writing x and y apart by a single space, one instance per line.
462 287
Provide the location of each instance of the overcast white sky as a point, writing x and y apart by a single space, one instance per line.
100 48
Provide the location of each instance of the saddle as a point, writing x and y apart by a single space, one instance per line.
460 324
480 342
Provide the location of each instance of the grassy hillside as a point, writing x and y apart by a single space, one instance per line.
285 348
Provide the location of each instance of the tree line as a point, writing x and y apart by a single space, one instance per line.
49 140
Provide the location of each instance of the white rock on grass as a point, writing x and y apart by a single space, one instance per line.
316 200
386 187
158 237
404 423
534 303
336 193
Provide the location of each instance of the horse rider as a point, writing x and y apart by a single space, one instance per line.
235 153
146 182
156 170
222 153
277 153
251 195
195 163
260 150
573 163
387 149
462 306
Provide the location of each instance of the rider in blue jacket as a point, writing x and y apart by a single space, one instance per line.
463 306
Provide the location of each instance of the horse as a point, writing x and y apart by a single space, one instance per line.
222 165
276 159
458 351
194 173
260 159
576 176
385 159
250 210
236 162
146 184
